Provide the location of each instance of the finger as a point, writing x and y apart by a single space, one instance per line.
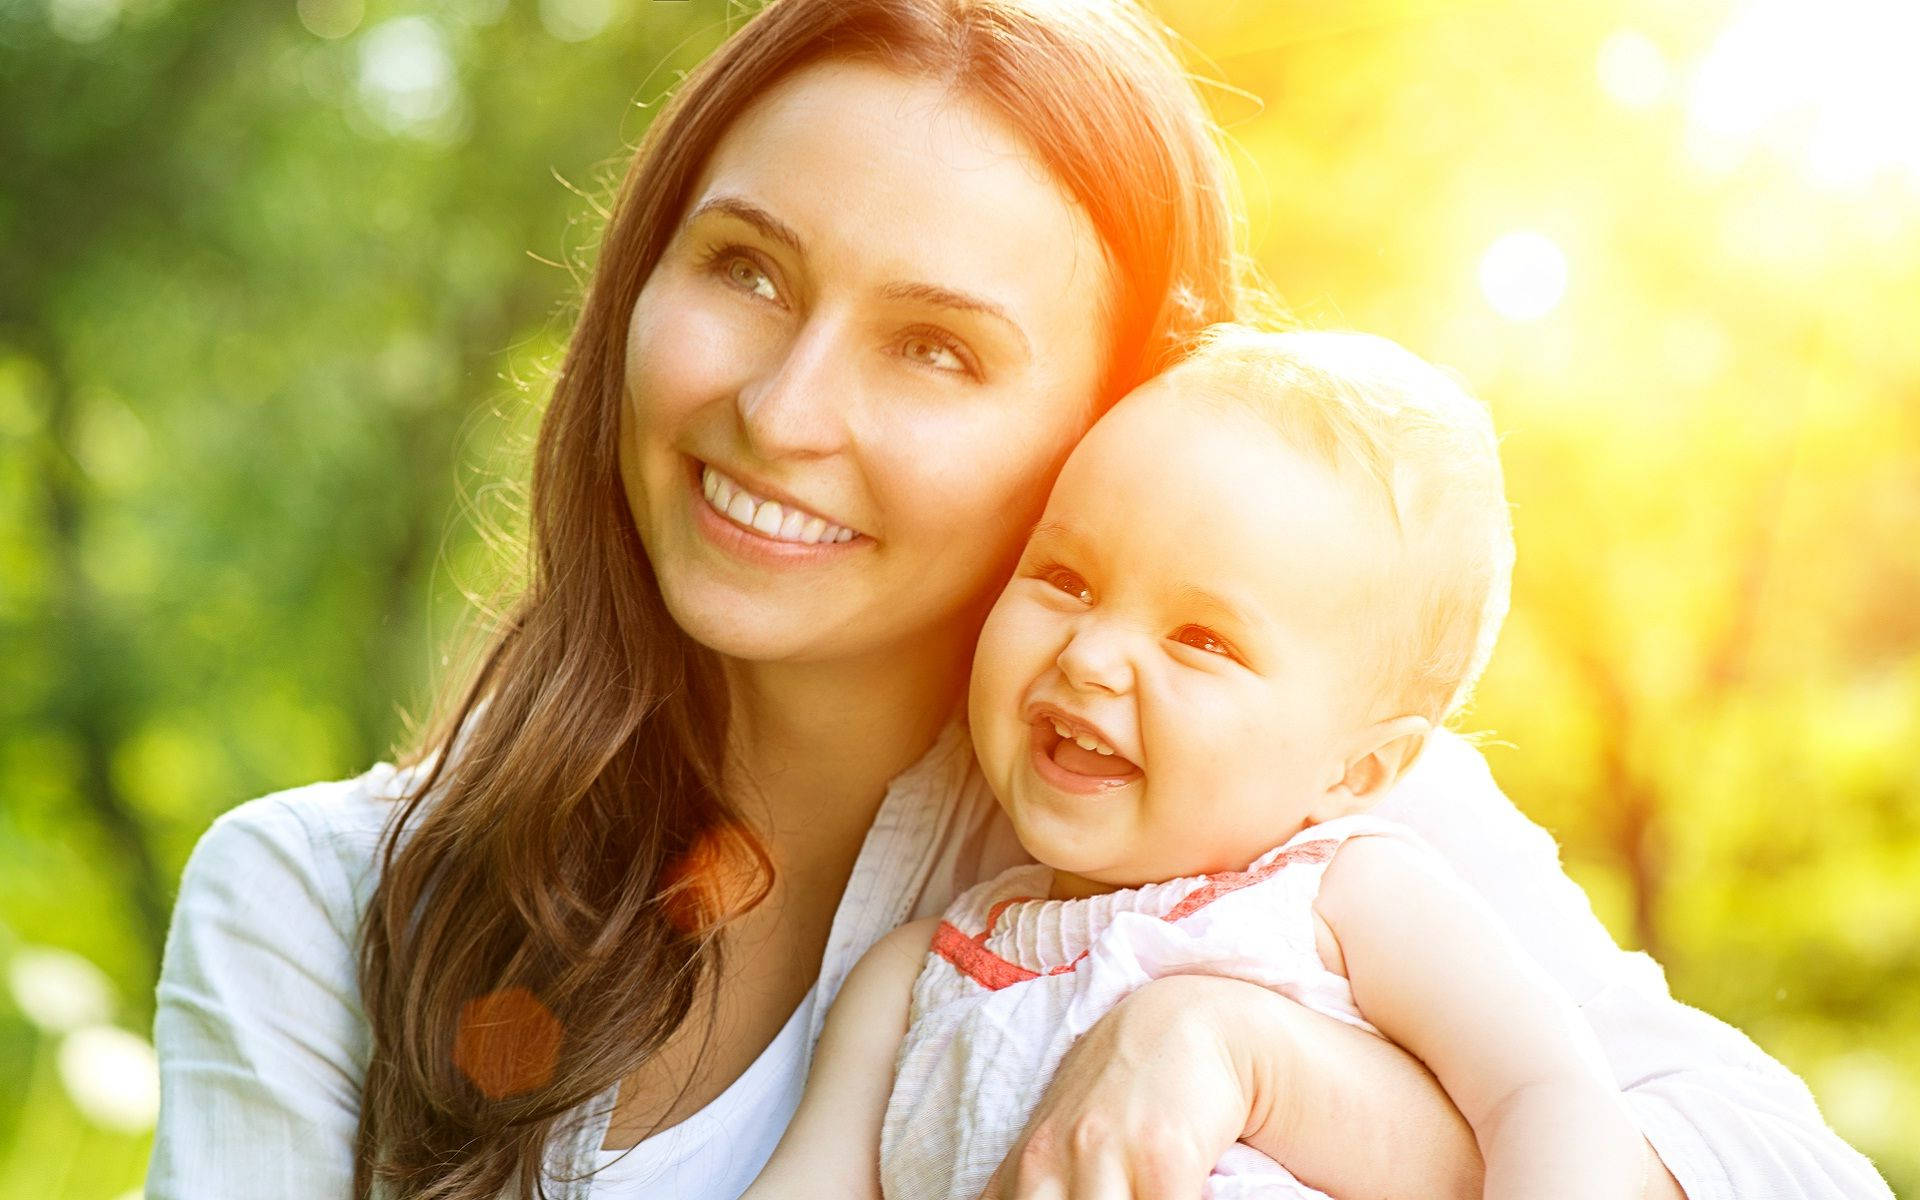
1161 1166
1102 1175
997 1186
1009 1183
1021 1177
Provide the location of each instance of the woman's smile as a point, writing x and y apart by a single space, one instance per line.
733 529
752 508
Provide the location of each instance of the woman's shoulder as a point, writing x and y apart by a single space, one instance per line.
315 845
258 1022
1451 800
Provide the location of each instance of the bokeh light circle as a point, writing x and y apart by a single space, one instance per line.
1523 275
1632 69
112 1077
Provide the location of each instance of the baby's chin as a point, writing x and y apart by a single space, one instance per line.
1052 842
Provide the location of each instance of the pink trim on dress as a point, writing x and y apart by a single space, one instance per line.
969 954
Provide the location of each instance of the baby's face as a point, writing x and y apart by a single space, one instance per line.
1196 599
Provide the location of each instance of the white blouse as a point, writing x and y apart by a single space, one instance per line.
263 1042
718 1150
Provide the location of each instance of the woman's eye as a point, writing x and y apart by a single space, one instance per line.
934 352
740 269
1202 638
745 274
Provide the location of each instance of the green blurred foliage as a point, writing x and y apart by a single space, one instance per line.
281 284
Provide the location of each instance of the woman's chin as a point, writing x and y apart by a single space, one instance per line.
738 627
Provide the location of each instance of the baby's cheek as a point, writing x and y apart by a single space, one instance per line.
1021 636
1212 751
1003 669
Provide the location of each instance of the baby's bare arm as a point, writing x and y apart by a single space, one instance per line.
832 1147
1436 973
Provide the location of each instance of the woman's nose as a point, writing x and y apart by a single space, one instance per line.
796 403
1095 660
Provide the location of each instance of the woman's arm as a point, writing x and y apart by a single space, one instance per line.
1145 1103
1152 1095
832 1146
259 1032
1148 1099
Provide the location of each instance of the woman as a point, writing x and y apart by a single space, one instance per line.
870 276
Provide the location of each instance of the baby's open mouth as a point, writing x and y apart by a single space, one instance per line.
1082 754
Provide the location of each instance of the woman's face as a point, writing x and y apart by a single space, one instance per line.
876 333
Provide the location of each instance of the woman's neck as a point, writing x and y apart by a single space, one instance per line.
812 746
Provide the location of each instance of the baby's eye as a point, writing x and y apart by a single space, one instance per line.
1065 580
1202 638
746 275
931 349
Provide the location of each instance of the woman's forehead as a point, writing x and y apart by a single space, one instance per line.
882 179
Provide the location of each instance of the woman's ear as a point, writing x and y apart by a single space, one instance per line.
1385 751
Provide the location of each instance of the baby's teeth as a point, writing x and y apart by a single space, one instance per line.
1062 730
811 531
1102 750
1084 742
768 519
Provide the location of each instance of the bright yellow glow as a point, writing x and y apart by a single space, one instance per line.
1632 70
1832 86
1523 275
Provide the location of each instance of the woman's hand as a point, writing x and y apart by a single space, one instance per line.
1144 1103
1147 1101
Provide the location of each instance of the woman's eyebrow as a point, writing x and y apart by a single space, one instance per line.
945 297
741 209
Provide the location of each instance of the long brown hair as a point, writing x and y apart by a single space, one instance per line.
537 931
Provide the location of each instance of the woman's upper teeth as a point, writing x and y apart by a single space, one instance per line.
784 523
1085 741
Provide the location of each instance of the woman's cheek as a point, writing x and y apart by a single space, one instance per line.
982 463
685 350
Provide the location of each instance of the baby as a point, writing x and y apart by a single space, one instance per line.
1259 582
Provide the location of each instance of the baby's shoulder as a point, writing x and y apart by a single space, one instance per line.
1299 867
1387 875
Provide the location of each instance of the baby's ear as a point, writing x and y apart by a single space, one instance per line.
1384 752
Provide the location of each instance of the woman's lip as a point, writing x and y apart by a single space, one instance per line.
1040 746
750 545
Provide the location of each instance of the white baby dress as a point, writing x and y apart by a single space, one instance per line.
1013 979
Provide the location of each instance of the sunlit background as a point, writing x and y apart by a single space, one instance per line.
280 280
